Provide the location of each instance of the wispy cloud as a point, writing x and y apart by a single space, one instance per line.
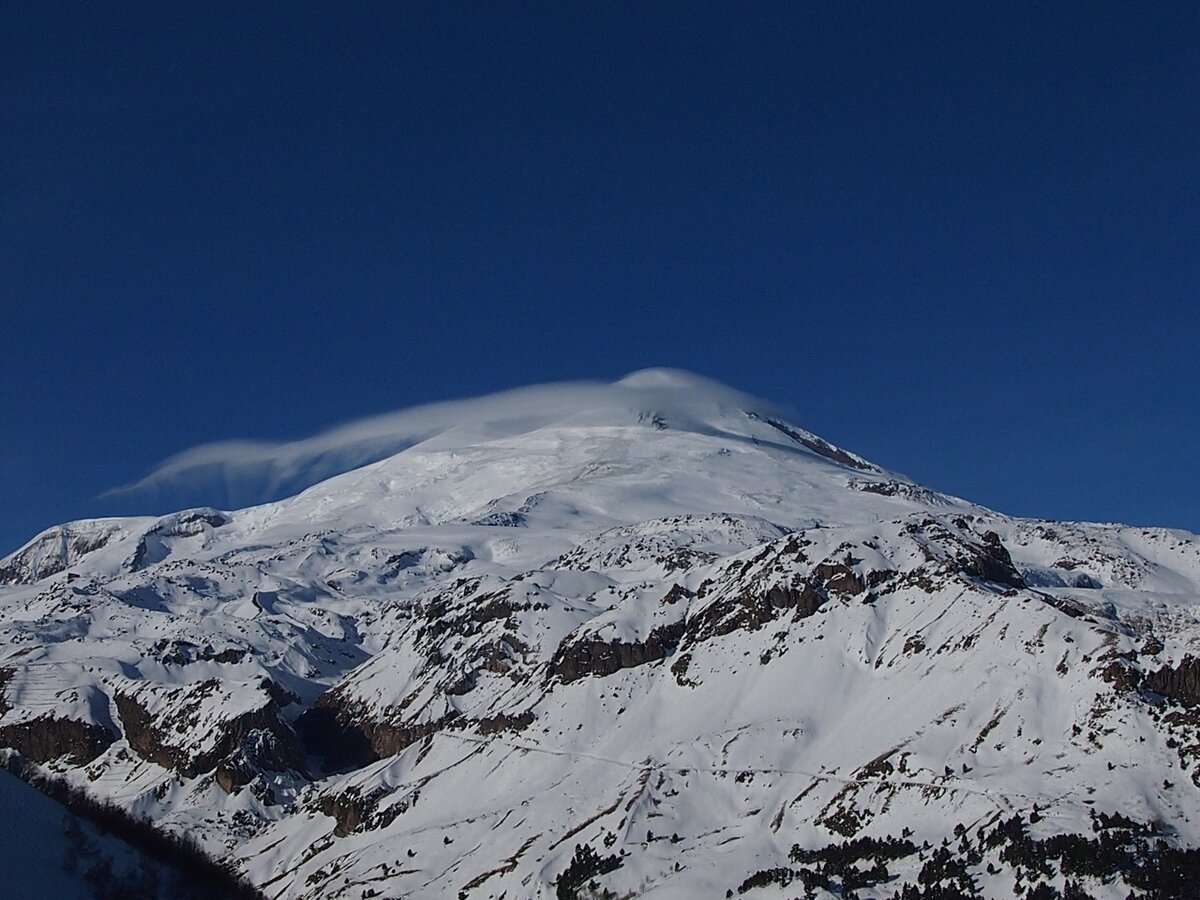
242 473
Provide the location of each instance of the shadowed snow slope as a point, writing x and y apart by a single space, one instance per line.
648 635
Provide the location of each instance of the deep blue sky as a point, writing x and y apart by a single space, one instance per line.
962 242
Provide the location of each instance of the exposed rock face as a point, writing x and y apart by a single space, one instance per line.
141 733
150 547
838 579
343 739
192 522
595 657
52 553
261 750
816 445
805 601
356 810
752 608
5 677
182 653
1181 682
345 736
990 561
347 811
676 593
48 737
277 692
260 739
893 488
502 722
748 611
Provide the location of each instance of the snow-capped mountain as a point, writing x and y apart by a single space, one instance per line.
645 638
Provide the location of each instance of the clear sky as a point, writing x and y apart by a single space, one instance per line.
961 240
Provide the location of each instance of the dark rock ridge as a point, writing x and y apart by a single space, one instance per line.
331 730
182 653
1180 682
150 548
345 736
262 750
893 488
758 590
990 561
746 603
49 737
6 676
816 445
593 656
356 810
255 740
982 557
751 609
50 554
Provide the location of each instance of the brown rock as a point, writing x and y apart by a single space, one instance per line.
49 737
592 656
1181 682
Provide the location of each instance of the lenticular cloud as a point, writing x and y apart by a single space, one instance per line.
239 473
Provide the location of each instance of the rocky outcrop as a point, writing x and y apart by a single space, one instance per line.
805 600
48 737
595 657
989 560
676 593
893 488
753 608
6 675
258 739
817 445
355 810
150 547
51 553
183 653
261 751
748 611
1180 682
958 550
346 738
277 692
503 722
191 522
348 811
837 578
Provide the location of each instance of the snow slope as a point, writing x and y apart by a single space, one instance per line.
651 618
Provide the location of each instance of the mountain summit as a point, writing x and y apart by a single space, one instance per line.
639 639
259 471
